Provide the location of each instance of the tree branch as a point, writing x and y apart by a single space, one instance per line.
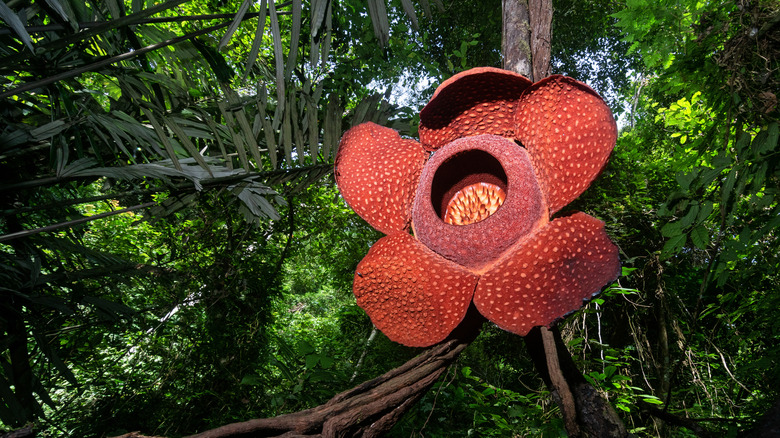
369 409
675 420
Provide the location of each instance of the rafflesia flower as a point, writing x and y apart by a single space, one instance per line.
509 155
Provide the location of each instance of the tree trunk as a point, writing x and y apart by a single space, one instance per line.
516 38
540 15
526 37
528 24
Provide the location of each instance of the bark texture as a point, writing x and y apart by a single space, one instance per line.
516 38
540 18
526 37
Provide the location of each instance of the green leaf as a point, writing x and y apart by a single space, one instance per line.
651 399
258 39
743 141
252 380
321 376
187 143
215 60
326 362
722 161
253 198
286 371
311 361
111 309
312 126
238 140
243 122
114 8
332 128
686 178
700 237
279 62
296 129
11 410
13 21
704 212
728 187
268 132
57 303
237 19
690 215
671 229
673 246
54 358
675 200
295 36
287 136
768 142
65 12
304 347
164 139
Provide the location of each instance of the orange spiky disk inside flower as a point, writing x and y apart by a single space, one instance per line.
474 203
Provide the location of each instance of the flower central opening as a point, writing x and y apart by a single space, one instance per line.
468 187
474 203
461 179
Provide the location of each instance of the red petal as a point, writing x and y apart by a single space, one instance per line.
550 275
412 295
478 101
377 172
569 132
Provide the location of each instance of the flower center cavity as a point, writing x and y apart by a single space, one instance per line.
468 187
